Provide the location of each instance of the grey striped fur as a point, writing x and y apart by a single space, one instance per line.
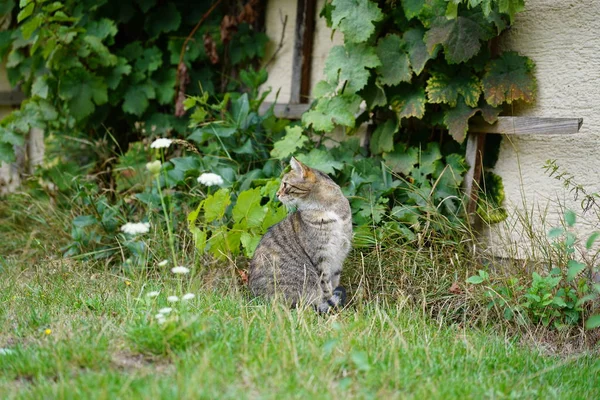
301 257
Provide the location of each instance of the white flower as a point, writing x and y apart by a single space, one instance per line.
163 263
5 352
133 228
164 311
154 167
188 296
172 299
180 270
210 179
160 318
161 143
152 294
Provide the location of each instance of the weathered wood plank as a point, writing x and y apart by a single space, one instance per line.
289 111
474 157
528 126
11 98
303 46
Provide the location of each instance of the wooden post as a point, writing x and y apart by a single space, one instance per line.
303 47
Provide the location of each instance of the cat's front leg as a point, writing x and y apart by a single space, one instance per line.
326 285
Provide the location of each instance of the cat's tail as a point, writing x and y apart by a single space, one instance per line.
336 301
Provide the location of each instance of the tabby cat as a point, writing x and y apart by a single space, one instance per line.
301 257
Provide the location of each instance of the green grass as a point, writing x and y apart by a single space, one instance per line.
105 342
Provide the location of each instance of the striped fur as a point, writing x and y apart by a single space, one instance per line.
301 257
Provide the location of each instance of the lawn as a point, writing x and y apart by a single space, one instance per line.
69 329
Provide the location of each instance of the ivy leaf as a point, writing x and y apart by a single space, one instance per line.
247 208
417 50
509 78
165 18
334 110
383 137
402 160
136 98
395 67
321 160
461 38
457 120
411 103
216 204
355 18
350 63
292 141
442 88
82 90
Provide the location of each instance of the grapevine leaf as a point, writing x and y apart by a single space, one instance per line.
248 209
355 18
149 60
250 243
350 63
7 153
136 98
164 83
82 89
411 103
402 160
216 204
104 55
102 28
457 120
489 113
334 110
417 51
274 217
292 141
442 88
383 137
321 160
461 38
165 18
374 95
116 74
509 78
395 67
511 7
40 87
323 88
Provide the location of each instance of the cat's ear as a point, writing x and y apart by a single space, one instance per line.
301 169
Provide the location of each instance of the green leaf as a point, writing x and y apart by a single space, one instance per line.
84 220
250 243
383 137
592 322
115 75
457 120
349 63
216 204
360 360
590 242
411 103
7 152
274 217
417 50
102 28
248 209
82 89
395 67
105 57
570 217
402 160
555 232
149 60
321 160
355 18
40 87
164 18
330 111
489 113
292 141
26 11
412 8
136 98
164 83
461 38
509 78
511 7
442 88
374 95
573 269
475 279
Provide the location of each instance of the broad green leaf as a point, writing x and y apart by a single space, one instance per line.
84 220
555 232
475 279
591 240
350 63
40 87
7 153
240 108
339 110
509 78
101 28
105 57
199 238
412 8
250 243
570 217
164 18
216 204
489 113
402 160
26 11
323 88
461 38
82 90
374 95
511 7
8 136
457 120
360 360
247 210
136 98
149 60
321 160
273 217
395 66
29 27
116 74
411 103
383 137
164 83
292 141
442 88
355 18
417 51
592 322
573 269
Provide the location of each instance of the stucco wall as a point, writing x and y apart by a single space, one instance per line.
563 38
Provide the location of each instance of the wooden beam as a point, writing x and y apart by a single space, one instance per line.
528 126
289 111
11 98
474 157
303 47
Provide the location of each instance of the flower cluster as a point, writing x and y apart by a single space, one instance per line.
134 228
161 143
210 179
